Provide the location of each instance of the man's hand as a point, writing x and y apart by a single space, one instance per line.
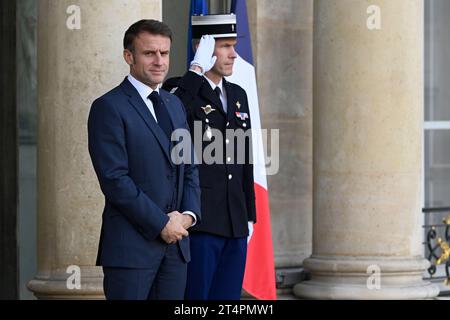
204 55
173 231
184 219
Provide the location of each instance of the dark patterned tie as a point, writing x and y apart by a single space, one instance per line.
162 115
218 92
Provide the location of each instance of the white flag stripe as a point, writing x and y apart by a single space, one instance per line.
246 78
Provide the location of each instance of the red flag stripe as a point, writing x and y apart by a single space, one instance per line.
259 278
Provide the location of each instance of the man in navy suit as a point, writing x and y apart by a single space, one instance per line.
150 199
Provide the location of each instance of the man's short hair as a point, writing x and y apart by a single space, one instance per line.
149 25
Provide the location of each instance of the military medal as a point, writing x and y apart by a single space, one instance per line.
242 115
238 105
208 109
208 133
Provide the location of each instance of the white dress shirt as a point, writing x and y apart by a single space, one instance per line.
144 91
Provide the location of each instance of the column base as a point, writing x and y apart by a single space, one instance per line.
352 278
53 286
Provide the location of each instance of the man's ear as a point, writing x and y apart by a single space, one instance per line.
128 56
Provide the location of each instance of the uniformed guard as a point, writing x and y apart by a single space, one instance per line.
219 242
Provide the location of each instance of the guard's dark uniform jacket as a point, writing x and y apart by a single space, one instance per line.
227 189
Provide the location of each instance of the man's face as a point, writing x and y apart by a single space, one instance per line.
226 54
149 61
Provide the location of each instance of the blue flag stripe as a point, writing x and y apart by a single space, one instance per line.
244 45
197 7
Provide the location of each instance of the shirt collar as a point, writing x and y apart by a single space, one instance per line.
143 89
214 86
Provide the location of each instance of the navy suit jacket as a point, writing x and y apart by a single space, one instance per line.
131 157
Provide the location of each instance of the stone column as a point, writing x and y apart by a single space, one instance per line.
80 58
368 114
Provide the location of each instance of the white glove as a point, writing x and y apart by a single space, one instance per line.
250 231
204 55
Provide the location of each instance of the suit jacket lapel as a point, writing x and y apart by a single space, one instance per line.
136 101
166 99
175 125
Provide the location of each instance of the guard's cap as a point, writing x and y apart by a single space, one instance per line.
216 25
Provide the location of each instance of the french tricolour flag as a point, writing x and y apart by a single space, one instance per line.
259 278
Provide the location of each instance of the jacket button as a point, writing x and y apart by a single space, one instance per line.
227 141
230 176
229 159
